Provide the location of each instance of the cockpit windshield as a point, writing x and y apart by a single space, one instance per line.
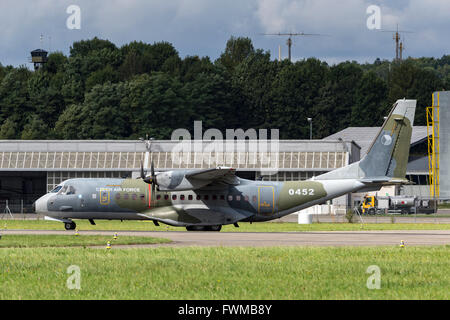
56 189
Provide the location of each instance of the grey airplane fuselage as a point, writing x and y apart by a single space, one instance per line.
133 199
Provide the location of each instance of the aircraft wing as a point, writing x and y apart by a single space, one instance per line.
219 175
195 179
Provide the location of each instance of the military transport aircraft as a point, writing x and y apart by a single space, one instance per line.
204 200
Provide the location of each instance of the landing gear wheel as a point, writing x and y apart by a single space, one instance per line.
214 228
70 225
204 228
194 228
372 212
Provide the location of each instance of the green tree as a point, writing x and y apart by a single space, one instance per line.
56 63
70 124
157 106
294 97
410 82
9 129
210 100
252 83
236 50
370 101
14 96
46 99
85 47
107 74
35 129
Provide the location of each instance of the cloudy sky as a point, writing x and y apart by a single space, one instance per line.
202 27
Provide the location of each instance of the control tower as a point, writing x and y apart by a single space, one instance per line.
38 58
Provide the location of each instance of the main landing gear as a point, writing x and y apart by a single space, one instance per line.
70 225
204 228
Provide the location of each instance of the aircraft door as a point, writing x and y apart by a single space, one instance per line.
105 197
266 200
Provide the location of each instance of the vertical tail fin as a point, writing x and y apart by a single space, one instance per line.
389 152
387 157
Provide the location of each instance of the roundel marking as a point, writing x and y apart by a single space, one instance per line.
386 140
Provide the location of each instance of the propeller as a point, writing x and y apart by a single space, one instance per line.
150 180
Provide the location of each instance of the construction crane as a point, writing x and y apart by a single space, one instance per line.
290 35
399 46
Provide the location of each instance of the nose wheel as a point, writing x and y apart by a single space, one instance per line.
70 225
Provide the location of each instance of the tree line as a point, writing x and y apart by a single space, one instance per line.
101 91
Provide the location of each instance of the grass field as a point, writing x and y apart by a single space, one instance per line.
244 227
37 241
226 273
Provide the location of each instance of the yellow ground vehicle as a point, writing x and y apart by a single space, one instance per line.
390 204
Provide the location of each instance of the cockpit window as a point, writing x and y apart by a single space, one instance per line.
64 189
56 189
71 190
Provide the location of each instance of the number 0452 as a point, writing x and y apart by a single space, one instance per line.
301 192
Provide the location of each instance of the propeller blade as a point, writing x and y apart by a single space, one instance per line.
142 170
152 178
152 170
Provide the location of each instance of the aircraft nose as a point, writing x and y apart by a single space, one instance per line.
40 205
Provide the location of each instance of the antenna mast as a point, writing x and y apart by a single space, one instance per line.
398 45
289 40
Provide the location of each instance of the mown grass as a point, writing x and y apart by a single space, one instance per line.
244 227
35 241
226 273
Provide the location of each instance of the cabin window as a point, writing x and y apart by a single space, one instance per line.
126 196
246 198
142 197
238 198
117 196
182 197
198 197
206 197
222 197
158 197
190 197
166 197
134 197
214 197
230 198
174 197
